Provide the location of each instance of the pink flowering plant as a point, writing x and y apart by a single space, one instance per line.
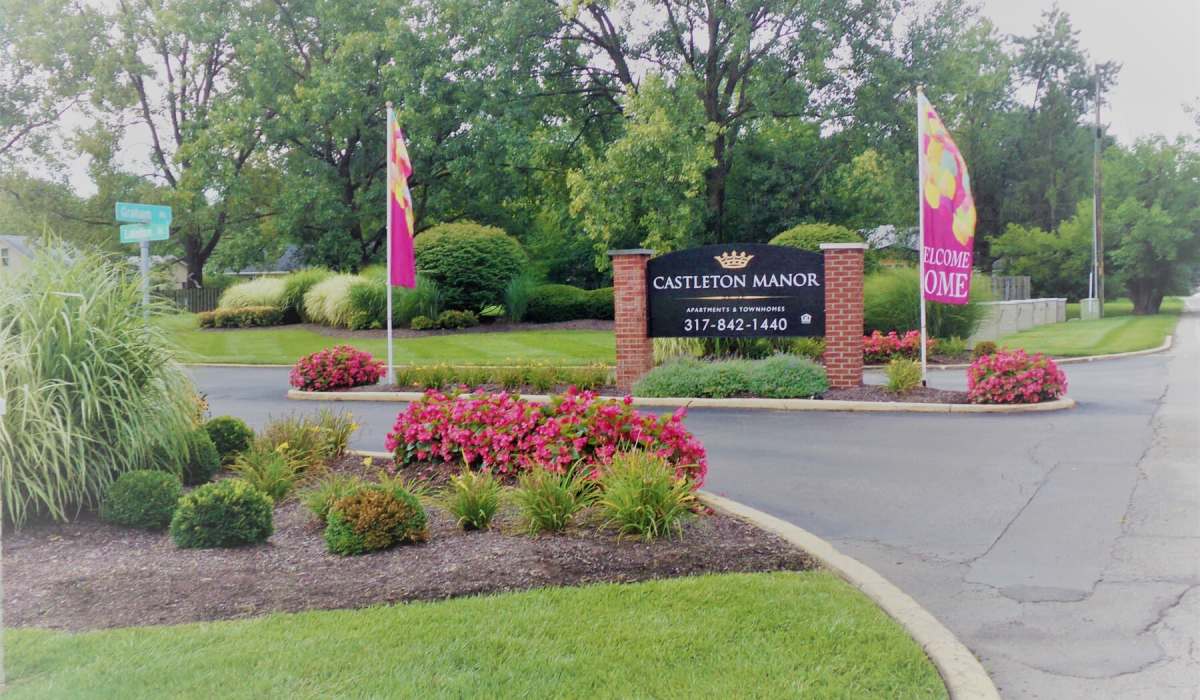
1012 376
505 434
879 348
339 367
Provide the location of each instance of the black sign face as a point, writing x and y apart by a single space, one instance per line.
735 291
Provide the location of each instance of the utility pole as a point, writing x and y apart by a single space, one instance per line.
1097 231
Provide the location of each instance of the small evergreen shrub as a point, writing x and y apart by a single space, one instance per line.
202 461
787 377
264 291
423 323
643 497
269 469
903 375
457 319
295 286
374 518
1015 377
780 376
983 347
229 435
549 501
471 264
242 317
600 303
142 498
332 488
473 498
339 367
228 513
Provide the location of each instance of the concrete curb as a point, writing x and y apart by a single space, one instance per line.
961 672
755 404
1166 345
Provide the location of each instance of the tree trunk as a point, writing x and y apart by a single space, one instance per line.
194 258
715 180
1146 297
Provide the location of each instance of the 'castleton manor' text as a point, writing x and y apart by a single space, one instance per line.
794 279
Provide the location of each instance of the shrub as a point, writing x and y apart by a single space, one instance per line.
983 347
903 375
142 498
643 497
269 469
295 286
228 513
787 377
472 264
329 490
473 499
1015 377
600 303
92 390
517 294
206 319
457 319
229 435
878 347
339 367
309 441
328 301
264 291
242 317
952 347
812 348
551 303
373 518
891 302
811 236
368 304
425 298
549 500
196 463
506 434
423 323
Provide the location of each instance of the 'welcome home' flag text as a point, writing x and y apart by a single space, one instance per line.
402 270
947 212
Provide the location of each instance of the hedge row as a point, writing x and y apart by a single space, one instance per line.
550 303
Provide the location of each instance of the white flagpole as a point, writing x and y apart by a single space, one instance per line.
391 368
921 229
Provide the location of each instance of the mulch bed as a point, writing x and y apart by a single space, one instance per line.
921 394
88 574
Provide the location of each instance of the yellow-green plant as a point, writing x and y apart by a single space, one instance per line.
903 375
92 389
268 469
549 501
473 498
642 496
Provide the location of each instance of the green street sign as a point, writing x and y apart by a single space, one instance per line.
158 215
136 233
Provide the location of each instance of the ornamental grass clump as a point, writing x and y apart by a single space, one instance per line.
374 518
310 441
903 375
142 498
295 286
643 497
473 498
269 469
1014 377
264 291
92 390
228 513
328 301
550 500
339 367
319 498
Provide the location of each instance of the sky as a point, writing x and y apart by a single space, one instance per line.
1157 43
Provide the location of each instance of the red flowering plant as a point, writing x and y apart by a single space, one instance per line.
1014 377
506 434
879 348
339 367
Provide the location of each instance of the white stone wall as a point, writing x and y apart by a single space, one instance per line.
1007 317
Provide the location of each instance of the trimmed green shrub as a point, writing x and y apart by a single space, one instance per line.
295 286
264 291
472 264
811 236
457 319
787 377
982 348
328 301
551 303
600 303
423 323
643 497
269 469
93 390
143 498
903 375
473 498
549 501
196 463
373 518
243 317
329 490
891 302
229 435
228 513
517 294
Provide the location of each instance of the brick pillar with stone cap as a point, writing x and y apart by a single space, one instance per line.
844 313
635 349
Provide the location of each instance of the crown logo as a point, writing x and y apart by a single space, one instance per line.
733 260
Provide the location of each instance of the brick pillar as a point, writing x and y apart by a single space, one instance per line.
844 313
635 350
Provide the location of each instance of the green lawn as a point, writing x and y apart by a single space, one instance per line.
286 344
1118 331
734 635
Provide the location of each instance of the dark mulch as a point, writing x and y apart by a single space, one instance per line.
88 574
920 394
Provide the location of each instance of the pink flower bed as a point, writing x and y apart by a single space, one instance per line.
878 347
1015 377
339 367
505 434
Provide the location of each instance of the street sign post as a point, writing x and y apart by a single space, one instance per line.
144 223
